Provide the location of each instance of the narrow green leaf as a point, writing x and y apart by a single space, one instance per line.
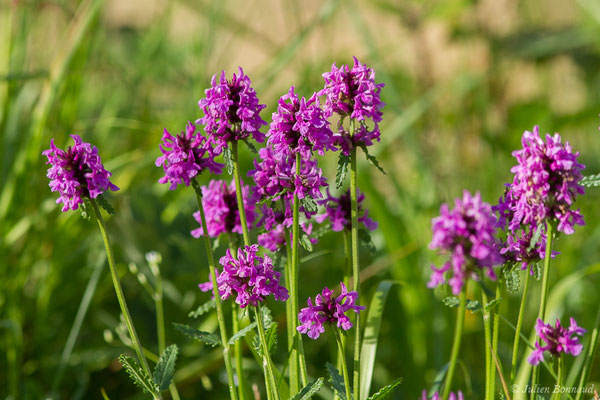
438 381
137 375
493 304
163 372
309 204
536 237
511 278
309 390
373 160
251 146
537 271
371 337
208 338
364 238
105 204
473 306
203 309
336 381
451 301
241 333
342 169
84 209
590 180
271 336
305 242
228 158
385 391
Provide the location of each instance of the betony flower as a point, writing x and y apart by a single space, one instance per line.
558 340
328 310
77 173
221 209
231 111
185 156
545 185
299 126
277 178
467 234
352 92
338 210
250 278
436 396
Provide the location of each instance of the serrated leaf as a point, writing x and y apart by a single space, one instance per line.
373 160
364 238
137 374
208 338
386 390
473 306
305 242
493 304
84 210
309 390
105 204
228 158
163 372
342 169
590 180
271 336
309 204
251 146
537 271
203 309
535 238
451 301
241 333
336 381
512 279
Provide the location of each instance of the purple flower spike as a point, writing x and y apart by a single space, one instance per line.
221 209
338 211
299 126
251 278
277 177
558 340
353 92
77 173
467 233
185 156
328 310
231 111
436 396
545 185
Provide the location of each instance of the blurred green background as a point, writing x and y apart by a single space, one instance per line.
463 80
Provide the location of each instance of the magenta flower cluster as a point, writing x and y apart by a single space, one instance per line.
299 126
559 340
221 209
328 310
467 234
436 396
249 277
352 92
185 156
231 111
338 211
77 173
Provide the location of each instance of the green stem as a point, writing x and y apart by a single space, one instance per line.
544 298
488 343
341 351
219 306
238 193
513 368
589 357
559 377
347 274
270 380
460 320
495 331
295 356
355 262
237 347
119 290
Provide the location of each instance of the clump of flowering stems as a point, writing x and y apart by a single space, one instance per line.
79 176
351 92
467 234
539 199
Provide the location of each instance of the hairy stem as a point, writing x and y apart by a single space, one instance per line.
295 354
495 331
460 320
355 266
338 339
488 343
237 346
238 193
513 368
268 363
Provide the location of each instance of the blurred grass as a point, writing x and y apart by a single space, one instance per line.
463 80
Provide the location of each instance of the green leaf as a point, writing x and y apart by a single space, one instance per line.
163 372
251 146
493 304
203 309
241 333
84 209
305 242
208 338
373 160
590 180
336 381
385 391
473 306
105 204
438 381
270 335
228 158
137 374
309 204
309 390
537 271
342 169
451 301
511 278
364 238
371 336
536 237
